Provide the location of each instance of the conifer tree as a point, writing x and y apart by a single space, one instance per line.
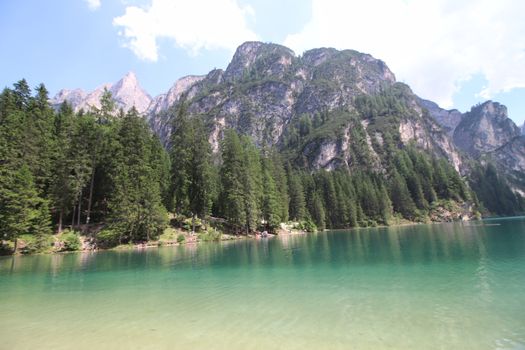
180 155
232 180
252 183
400 196
199 172
271 209
22 210
136 205
297 200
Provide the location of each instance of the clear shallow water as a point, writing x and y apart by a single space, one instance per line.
449 286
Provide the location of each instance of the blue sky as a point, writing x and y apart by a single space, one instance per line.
457 53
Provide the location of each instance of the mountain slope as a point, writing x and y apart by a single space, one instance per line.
316 108
266 91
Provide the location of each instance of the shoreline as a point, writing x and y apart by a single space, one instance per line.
194 240
171 235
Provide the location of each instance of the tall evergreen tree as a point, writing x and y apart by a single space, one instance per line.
297 207
180 154
232 180
136 206
200 173
252 184
400 196
271 208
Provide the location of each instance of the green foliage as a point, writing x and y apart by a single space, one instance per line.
60 168
108 238
297 203
210 235
494 192
307 226
192 174
71 241
181 238
137 210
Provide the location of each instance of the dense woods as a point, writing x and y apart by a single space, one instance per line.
64 170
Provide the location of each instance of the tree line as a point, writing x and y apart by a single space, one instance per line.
61 169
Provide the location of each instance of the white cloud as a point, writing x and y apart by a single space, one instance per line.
192 25
93 4
433 45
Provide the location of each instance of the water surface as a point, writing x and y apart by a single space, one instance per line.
447 286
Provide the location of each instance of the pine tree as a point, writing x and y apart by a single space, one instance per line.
281 183
252 184
400 196
200 173
180 155
297 207
271 209
232 180
317 211
137 210
22 210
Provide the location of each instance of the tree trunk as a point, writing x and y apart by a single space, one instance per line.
193 224
16 245
60 216
79 208
73 217
91 185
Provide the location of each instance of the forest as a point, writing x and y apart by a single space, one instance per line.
62 172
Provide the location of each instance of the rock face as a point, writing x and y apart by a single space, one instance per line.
164 101
486 133
484 129
449 119
265 86
126 92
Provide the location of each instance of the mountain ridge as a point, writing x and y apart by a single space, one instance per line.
267 90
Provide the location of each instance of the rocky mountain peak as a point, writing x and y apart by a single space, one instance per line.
126 92
128 81
491 109
315 57
259 58
485 128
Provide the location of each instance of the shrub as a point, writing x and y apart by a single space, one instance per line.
210 235
71 241
187 224
7 247
28 244
181 238
107 238
307 226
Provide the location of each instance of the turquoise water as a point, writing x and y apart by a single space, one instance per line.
447 286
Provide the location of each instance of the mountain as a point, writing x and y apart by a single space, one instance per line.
486 133
126 92
485 129
448 119
267 90
324 109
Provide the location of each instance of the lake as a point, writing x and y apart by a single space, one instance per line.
442 286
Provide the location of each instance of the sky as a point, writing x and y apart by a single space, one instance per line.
454 52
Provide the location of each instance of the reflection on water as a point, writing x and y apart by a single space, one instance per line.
417 244
423 286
